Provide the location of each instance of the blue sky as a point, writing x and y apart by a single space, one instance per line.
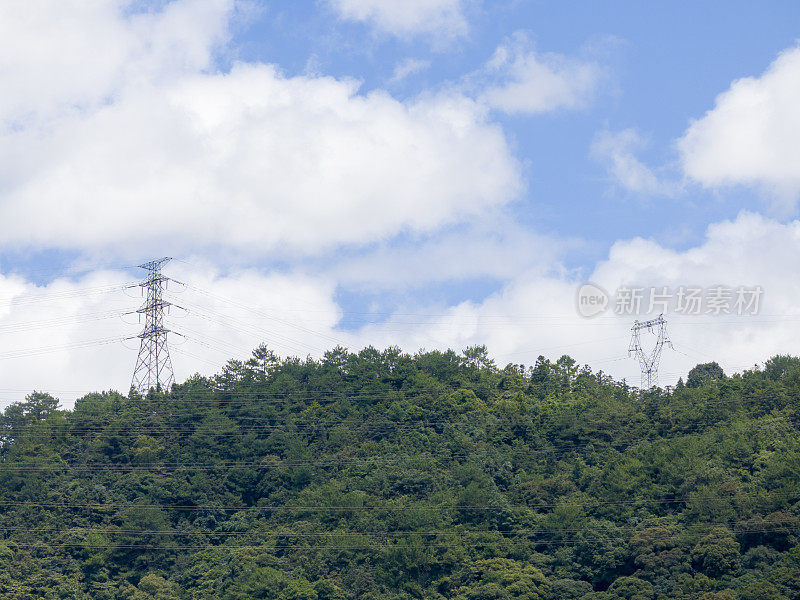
665 63
426 173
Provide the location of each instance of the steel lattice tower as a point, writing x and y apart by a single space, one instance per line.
153 366
649 362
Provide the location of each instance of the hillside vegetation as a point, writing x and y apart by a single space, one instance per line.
382 475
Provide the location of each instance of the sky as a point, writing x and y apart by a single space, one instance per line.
428 174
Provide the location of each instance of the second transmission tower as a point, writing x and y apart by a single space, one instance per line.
153 368
649 362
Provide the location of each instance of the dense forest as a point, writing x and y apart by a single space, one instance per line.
382 475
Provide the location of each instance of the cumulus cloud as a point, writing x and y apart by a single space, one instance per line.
57 336
157 147
535 313
407 17
522 81
295 314
617 151
73 56
750 136
120 134
78 332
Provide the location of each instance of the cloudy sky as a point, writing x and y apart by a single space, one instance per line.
421 173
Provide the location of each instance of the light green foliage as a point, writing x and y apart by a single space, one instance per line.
630 588
154 587
763 590
503 578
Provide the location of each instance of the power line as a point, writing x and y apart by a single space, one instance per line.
27 352
262 314
591 503
341 461
47 296
231 408
372 534
542 537
136 426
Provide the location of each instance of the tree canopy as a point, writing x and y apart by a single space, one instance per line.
381 475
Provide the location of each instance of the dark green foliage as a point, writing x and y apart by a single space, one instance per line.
705 373
378 475
717 553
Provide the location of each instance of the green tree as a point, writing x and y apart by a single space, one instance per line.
703 374
503 578
630 588
717 553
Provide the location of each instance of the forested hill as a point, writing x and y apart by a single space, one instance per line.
381 475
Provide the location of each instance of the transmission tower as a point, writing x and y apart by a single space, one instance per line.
153 366
649 362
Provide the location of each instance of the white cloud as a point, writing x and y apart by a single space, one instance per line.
62 335
751 135
493 248
296 314
528 82
152 146
405 18
74 55
408 67
535 313
68 336
118 135
617 151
